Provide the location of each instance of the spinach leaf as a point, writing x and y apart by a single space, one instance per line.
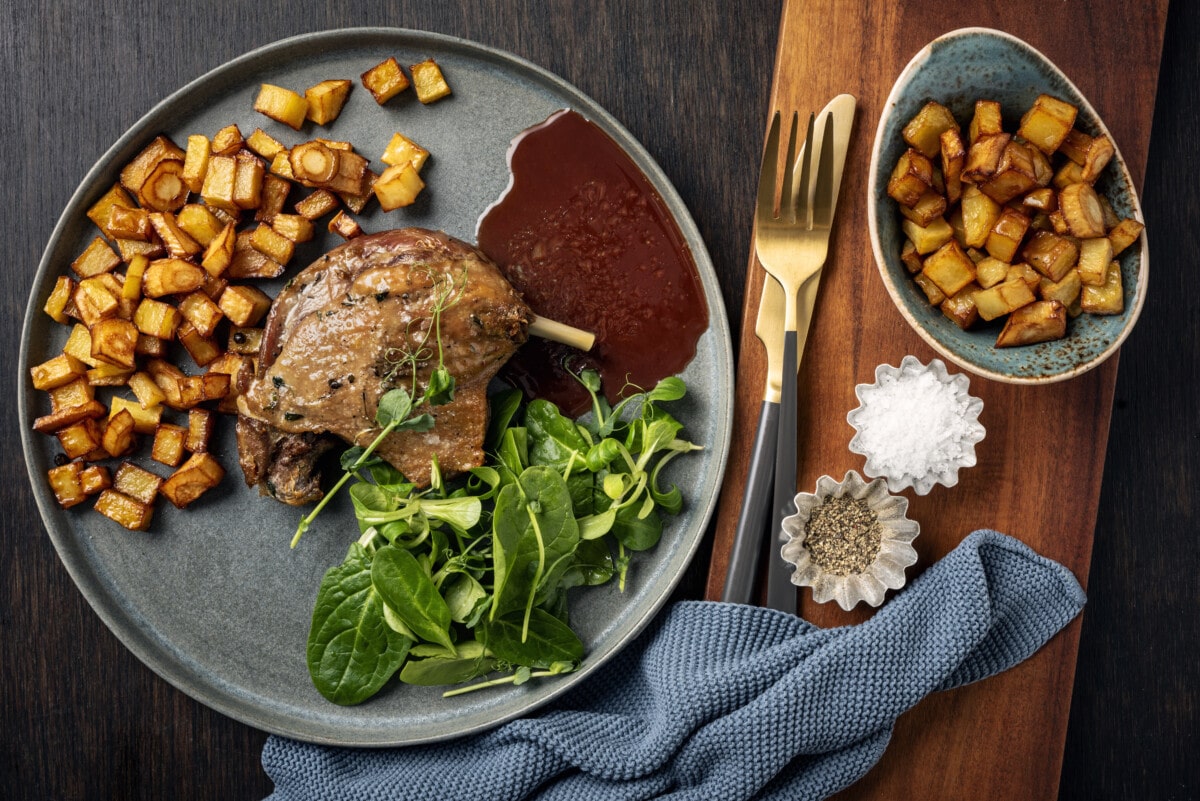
637 532
406 588
351 649
504 407
538 642
553 438
471 661
466 598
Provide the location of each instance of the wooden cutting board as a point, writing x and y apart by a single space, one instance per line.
1039 471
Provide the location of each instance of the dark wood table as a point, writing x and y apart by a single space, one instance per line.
80 717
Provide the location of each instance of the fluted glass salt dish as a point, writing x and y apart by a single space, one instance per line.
850 541
917 425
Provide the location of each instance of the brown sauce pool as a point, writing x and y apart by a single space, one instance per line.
587 240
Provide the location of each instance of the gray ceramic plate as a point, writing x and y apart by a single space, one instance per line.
211 598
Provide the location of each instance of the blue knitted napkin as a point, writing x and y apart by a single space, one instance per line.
722 701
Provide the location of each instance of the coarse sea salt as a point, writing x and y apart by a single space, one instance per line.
917 425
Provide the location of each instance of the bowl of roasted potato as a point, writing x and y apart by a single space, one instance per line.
1004 221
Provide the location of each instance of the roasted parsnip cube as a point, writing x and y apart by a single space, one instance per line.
150 346
213 386
178 242
145 390
195 161
213 287
99 211
294 226
79 439
113 342
1046 124
1050 254
249 262
1003 298
164 188
199 310
910 258
244 305
202 349
990 271
144 420
344 226
928 238
1081 209
1094 258
1042 199
219 253
228 141
316 205
220 182
1040 321
353 176
115 284
127 223
1015 174
1065 291
62 369
356 203
130 249
399 186
950 268
171 277
385 80
1006 235
428 81
1109 297
987 120
66 485
911 178
136 482
313 163
160 149
274 195
200 473
1069 173
961 309
269 242
924 130
168 444
94 301
954 157
60 298
1122 235
94 478
96 258
156 319
132 514
281 105
930 207
247 180
983 157
402 150
1099 154
199 223
281 165
933 294
1075 146
325 100
199 431
980 214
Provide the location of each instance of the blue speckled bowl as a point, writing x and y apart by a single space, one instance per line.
957 69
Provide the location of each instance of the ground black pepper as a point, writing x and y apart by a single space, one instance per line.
843 536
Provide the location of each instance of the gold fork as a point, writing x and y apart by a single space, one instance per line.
791 244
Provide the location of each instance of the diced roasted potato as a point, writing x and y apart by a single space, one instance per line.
113 342
79 439
201 423
248 262
357 203
1124 234
1003 298
127 223
171 277
980 214
62 369
924 130
199 310
987 120
66 485
1046 124
294 226
1109 297
200 473
911 178
157 319
910 258
402 150
228 141
137 482
1015 174
195 161
1094 258
109 375
69 415
99 211
990 271
60 298
1066 291
930 207
281 105
399 186
929 238
1024 272
268 241
244 305
960 308
344 226
325 100
219 183
168 444
954 158
247 180
983 157
933 293
178 242
199 222
94 478
1042 199
144 419
94 301
219 254
428 81
132 514
202 349
281 165
1006 235
1050 254
274 195
132 248
318 204
385 80
145 390
1040 321
950 268
96 258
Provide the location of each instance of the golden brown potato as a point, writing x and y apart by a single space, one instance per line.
385 80
200 473
950 268
924 130
1047 123
281 105
428 81
1040 321
325 100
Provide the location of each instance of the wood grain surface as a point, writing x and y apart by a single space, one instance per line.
81 718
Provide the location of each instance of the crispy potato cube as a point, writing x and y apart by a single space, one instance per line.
171 277
66 484
1041 199
127 223
385 80
1046 124
109 375
930 207
94 478
79 344
318 204
1015 174
202 349
195 161
219 253
1023 271
924 130
113 342
145 390
62 369
990 271
1109 297
1040 321
247 180
983 157
200 473
99 211
179 244
1066 291
94 301
274 194
910 258
1003 298
137 482
293 226
144 419
168 444
151 346
228 141
399 185
402 150
60 297
71 394
1082 211
201 423
344 226
198 222
281 165
325 100
249 262
268 241
960 308
950 268
220 182
954 157
156 319
428 81
160 149
1006 235
164 188
244 305
1050 254
356 203
933 294
281 105
264 144
986 121
96 258
61 418
213 287
928 238
911 178
79 439
130 249
1094 258
132 514
1122 235
199 310
980 214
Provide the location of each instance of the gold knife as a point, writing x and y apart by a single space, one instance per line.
756 503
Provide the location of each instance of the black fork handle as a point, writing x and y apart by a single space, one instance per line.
756 507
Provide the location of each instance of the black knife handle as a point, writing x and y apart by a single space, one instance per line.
756 507
781 593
